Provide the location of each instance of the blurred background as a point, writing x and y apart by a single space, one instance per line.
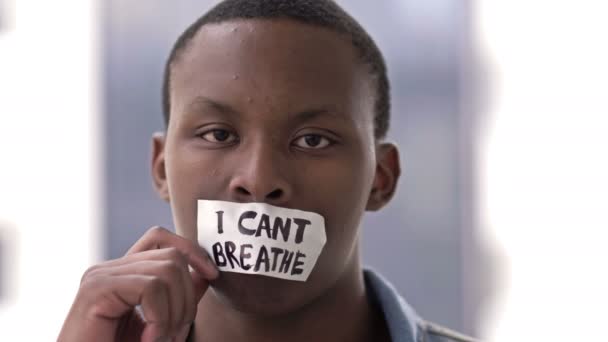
499 108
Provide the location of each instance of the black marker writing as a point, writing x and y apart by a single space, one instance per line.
220 221
247 215
279 260
302 223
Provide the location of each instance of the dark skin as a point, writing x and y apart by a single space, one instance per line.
268 111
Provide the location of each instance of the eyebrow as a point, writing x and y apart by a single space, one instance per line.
309 115
301 116
218 106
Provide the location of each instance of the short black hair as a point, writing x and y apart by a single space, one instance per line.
322 13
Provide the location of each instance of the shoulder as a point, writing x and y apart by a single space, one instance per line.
404 324
432 332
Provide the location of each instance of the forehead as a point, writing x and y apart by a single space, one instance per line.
283 62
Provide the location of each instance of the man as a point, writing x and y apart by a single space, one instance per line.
280 102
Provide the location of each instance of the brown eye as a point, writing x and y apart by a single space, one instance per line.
220 136
312 141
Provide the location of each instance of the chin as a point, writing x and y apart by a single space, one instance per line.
262 295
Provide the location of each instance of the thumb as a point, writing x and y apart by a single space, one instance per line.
200 285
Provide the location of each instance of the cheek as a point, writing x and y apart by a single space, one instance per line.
340 190
191 176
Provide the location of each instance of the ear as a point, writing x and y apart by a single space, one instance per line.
387 175
159 172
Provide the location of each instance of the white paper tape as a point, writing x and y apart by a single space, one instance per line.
258 238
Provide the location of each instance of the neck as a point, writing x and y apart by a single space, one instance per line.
343 313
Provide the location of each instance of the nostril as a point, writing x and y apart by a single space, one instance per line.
275 194
242 191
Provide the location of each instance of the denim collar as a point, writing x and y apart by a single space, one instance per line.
402 321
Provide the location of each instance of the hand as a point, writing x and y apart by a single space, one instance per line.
153 275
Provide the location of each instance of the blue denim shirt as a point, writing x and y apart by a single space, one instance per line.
403 323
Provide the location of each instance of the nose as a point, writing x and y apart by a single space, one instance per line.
260 177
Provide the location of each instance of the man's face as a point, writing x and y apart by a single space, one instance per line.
277 112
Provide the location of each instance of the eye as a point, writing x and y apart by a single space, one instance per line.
312 141
218 136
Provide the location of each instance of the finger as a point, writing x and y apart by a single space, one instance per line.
200 285
120 294
155 305
171 266
189 306
190 301
158 237
183 333
182 312
172 275
176 278
153 254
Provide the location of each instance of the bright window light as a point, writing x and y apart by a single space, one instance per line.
49 148
544 168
